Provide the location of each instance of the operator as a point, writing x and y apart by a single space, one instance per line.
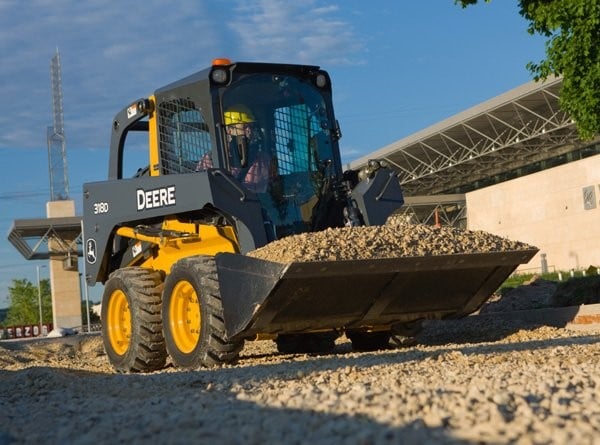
249 161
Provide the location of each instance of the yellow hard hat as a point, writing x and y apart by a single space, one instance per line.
238 114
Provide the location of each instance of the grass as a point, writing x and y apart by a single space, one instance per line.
518 279
570 291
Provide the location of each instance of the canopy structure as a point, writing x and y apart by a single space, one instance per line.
516 133
41 238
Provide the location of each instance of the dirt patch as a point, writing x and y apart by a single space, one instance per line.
537 294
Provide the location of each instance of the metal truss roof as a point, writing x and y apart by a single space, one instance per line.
446 210
466 151
41 238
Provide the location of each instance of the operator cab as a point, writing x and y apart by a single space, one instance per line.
279 142
269 126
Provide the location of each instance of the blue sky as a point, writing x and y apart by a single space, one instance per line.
397 67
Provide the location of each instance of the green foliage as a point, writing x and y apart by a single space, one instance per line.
465 3
572 28
516 280
24 307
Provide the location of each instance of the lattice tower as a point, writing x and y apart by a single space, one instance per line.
57 150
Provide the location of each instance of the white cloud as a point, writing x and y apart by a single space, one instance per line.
119 50
350 152
110 57
302 32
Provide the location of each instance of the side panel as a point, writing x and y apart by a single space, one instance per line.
128 202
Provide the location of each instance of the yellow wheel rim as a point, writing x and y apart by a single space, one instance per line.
184 317
119 322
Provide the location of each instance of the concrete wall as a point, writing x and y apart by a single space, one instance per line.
557 210
65 284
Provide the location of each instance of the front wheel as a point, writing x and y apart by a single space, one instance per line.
131 321
193 316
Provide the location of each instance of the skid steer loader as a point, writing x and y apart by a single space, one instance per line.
240 155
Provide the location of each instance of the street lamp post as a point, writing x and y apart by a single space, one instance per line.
39 295
84 287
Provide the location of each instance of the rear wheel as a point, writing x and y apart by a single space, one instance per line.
193 316
131 320
317 342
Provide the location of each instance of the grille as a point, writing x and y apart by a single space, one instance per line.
184 139
293 135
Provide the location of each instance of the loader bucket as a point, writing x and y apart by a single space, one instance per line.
263 297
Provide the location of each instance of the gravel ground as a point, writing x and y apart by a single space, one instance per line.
465 382
481 379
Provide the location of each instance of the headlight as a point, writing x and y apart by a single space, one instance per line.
321 80
219 75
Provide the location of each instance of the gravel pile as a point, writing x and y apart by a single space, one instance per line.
394 239
465 383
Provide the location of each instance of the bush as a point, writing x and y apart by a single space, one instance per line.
577 291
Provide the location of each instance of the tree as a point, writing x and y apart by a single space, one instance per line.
572 28
24 307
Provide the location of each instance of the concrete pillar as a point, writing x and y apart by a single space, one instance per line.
66 295
544 263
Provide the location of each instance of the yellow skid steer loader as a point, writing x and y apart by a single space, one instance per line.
241 155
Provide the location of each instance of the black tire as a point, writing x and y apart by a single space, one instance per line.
369 341
312 343
192 316
133 343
